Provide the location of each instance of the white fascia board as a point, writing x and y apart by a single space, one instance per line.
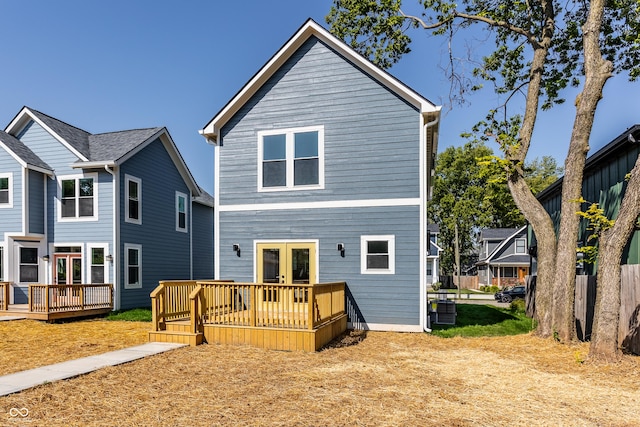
26 115
93 165
311 28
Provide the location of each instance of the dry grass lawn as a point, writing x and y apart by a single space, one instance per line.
387 379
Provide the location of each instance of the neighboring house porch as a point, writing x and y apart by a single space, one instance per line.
53 302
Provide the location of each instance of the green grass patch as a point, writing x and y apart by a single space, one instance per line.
475 320
132 315
462 291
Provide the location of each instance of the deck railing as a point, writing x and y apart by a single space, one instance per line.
286 306
4 295
60 298
170 300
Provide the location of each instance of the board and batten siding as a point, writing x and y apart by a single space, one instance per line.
11 217
165 251
391 299
37 182
371 136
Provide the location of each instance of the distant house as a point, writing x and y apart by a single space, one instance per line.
504 257
322 171
433 257
118 207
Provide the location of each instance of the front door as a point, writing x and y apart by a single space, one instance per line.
285 263
27 270
67 271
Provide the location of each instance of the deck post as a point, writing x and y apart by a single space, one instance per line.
252 305
310 308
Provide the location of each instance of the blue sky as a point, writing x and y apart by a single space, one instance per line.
114 65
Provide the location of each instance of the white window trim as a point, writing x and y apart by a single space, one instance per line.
127 285
9 204
516 246
2 263
392 254
127 179
90 247
61 178
186 212
289 132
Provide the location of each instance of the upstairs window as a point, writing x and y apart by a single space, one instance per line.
78 198
377 254
6 199
521 246
133 199
291 159
181 212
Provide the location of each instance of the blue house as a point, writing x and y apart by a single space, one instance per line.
323 166
504 256
82 208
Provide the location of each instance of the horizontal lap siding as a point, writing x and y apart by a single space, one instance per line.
371 136
11 218
386 299
165 251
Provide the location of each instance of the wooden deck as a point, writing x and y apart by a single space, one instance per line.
269 316
53 302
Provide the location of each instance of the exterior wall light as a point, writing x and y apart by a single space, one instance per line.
109 258
341 249
236 249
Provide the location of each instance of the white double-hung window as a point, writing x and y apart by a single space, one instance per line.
133 199
291 159
78 197
6 196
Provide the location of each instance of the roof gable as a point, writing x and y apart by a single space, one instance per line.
308 30
514 233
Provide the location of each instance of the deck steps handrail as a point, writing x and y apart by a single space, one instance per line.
170 300
4 295
45 298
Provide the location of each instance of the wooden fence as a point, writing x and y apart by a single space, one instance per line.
65 298
585 300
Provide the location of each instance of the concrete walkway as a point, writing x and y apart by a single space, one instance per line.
19 381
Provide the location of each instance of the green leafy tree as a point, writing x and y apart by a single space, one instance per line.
470 191
541 47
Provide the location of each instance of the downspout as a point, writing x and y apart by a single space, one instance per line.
115 243
423 299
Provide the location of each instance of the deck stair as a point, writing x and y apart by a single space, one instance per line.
177 331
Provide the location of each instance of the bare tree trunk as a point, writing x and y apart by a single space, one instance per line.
597 72
604 338
546 241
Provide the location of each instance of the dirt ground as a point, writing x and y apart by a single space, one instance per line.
383 379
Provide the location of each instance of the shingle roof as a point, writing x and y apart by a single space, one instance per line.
22 151
512 259
114 145
497 233
76 137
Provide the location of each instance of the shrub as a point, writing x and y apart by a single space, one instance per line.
436 286
518 306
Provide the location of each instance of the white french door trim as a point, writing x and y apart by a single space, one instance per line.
315 242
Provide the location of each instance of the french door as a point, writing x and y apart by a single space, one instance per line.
67 271
285 263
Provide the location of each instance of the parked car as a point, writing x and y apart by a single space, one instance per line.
509 294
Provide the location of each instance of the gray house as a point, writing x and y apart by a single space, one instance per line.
504 258
322 173
118 207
